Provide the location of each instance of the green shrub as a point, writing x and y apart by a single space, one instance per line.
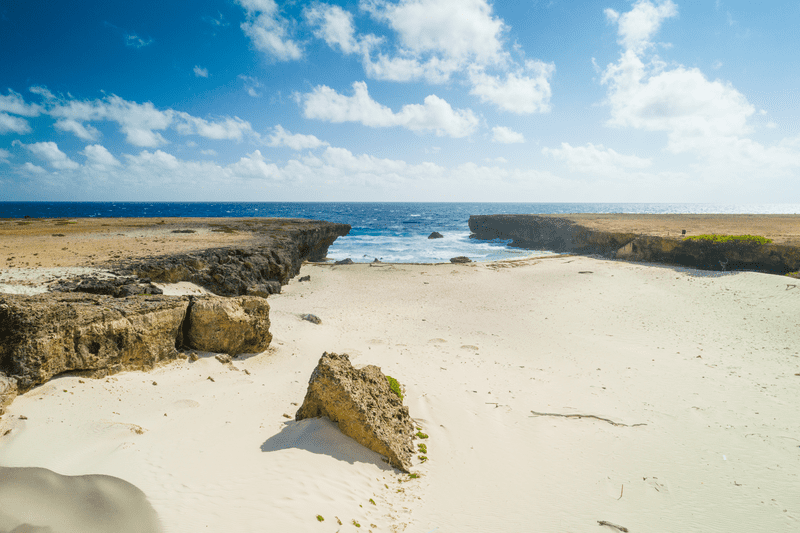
319 518
395 386
421 435
422 448
729 238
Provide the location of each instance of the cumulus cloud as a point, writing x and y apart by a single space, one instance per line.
591 159
334 25
4 155
49 152
99 158
226 128
637 27
251 85
14 103
82 131
10 124
435 114
200 72
521 92
296 141
501 134
268 30
32 169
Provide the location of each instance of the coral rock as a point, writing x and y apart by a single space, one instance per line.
366 409
228 325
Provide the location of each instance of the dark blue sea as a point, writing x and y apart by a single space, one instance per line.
391 232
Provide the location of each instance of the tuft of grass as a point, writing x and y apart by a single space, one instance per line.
421 435
413 476
319 518
356 523
372 501
729 238
794 274
422 458
395 386
422 448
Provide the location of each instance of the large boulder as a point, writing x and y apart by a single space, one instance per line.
363 404
228 325
49 334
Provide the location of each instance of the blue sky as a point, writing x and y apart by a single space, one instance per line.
400 100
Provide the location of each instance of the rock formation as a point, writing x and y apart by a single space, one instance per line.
363 404
563 235
460 259
436 235
228 325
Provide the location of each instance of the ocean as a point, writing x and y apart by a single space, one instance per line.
390 232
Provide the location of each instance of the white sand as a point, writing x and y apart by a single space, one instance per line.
478 347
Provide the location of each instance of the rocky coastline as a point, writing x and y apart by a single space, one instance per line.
102 323
571 234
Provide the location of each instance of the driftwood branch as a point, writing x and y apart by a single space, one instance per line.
536 413
604 523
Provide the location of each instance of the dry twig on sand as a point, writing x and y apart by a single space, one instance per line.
604 523
536 413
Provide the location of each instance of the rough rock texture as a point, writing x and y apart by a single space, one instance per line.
276 255
436 235
364 406
460 259
563 235
228 325
48 334
8 391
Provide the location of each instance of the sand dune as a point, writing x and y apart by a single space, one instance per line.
690 382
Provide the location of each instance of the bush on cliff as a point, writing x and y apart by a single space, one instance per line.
729 238
395 386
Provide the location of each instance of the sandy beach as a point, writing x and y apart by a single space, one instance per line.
686 386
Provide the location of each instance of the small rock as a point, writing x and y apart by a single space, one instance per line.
193 357
183 231
23 417
461 259
209 378
305 278
264 289
314 319
223 358
286 416
347 261
435 235
155 383
376 260
246 371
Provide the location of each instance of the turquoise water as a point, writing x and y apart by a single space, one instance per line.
391 232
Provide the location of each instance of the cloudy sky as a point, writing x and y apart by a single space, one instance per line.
400 100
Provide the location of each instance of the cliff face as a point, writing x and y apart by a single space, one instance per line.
563 235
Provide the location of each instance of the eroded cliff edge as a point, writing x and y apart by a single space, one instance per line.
98 325
562 234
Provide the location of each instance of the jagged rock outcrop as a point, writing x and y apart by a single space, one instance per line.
563 235
436 235
49 334
366 409
228 325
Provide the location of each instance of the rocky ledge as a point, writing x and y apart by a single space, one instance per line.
558 234
96 326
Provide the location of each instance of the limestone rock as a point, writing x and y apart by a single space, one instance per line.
48 334
304 278
228 325
314 319
8 391
436 235
366 409
461 259
263 290
347 261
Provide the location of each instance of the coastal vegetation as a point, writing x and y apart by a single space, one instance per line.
729 238
395 386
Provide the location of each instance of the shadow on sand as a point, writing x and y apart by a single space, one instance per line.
320 435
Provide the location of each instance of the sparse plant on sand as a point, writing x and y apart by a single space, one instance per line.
422 458
395 386
413 476
729 238
319 518
372 501
422 448
421 435
356 523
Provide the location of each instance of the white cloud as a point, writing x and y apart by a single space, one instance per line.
251 85
597 160
268 31
15 124
640 24
200 72
209 152
297 141
434 114
4 155
33 169
334 25
408 68
464 30
99 158
49 152
518 92
134 41
14 103
501 134
82 131
227 128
